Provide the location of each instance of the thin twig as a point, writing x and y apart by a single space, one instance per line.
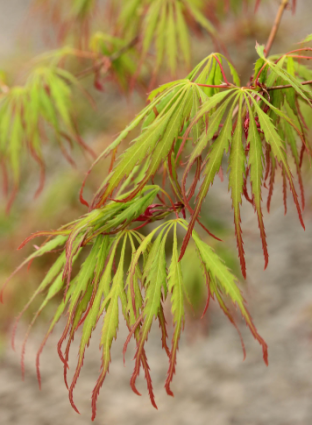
110 59
275 27
270 41
288 86
128 46
221 86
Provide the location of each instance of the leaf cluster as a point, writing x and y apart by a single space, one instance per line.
191 130
102 292
70 19
255 125
122 69
162 26
29 113
166 25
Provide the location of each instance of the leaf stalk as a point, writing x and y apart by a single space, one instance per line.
275 27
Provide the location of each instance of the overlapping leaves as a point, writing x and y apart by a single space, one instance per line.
31 112
217 117
162 24
96 293
291 72
70 19
123 67
164 120
165 24
245 156
202 120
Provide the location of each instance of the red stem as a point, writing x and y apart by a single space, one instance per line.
222 70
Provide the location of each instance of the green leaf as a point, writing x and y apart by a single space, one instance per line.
258 65
60 310
260 50
233 71
131 211
218 147
110 324
226 284
182 33
213 160
150 24
155 136
60 94
164 87
213 102
160 37
138 299
175 287
270 133
273 138
255 162
198 126
15 147
106 279
171 43
307 39
47 247
291 66
81 8
136 153
199 17
293 81
236 181
85 275
154 282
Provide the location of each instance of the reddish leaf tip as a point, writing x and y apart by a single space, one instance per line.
72 403
168 390
209 293
133 387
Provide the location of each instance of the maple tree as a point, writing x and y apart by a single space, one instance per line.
188 128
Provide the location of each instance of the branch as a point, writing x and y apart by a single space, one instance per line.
106 59
289 86
128 46
221 86
276 25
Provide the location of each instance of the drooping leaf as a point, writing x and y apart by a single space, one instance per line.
214 157
46 99
154 281
307 39
225 282
175 287
272 137
236 181
165 24
255 162
110 324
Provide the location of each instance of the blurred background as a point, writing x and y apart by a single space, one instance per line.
212 384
